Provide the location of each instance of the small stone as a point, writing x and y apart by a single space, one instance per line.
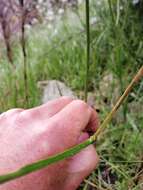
53 89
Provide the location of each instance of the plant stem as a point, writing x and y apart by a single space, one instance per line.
118 104
23 44
111 11
87 48
72 151
43 163
7 39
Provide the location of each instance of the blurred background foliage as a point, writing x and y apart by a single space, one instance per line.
46 39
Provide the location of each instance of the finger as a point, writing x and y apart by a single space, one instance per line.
47 110
63 130
93 123
75 118
67 125
81 165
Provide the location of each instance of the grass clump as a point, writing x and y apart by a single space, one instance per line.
116 49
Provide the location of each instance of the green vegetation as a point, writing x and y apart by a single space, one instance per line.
117 53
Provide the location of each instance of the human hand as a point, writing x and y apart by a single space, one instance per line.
27 136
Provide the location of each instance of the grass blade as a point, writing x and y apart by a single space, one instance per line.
87 48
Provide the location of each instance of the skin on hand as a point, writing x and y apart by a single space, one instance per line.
33 134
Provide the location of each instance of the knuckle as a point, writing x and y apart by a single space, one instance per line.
30 114
9 117
13 111
81 104
25 115
67 98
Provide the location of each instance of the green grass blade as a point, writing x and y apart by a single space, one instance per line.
44 163
87 47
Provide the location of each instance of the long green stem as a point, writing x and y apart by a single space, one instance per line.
111 11
23 45
43 163
7 39
72 151
87 48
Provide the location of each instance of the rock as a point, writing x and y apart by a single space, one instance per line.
109 89
53 89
